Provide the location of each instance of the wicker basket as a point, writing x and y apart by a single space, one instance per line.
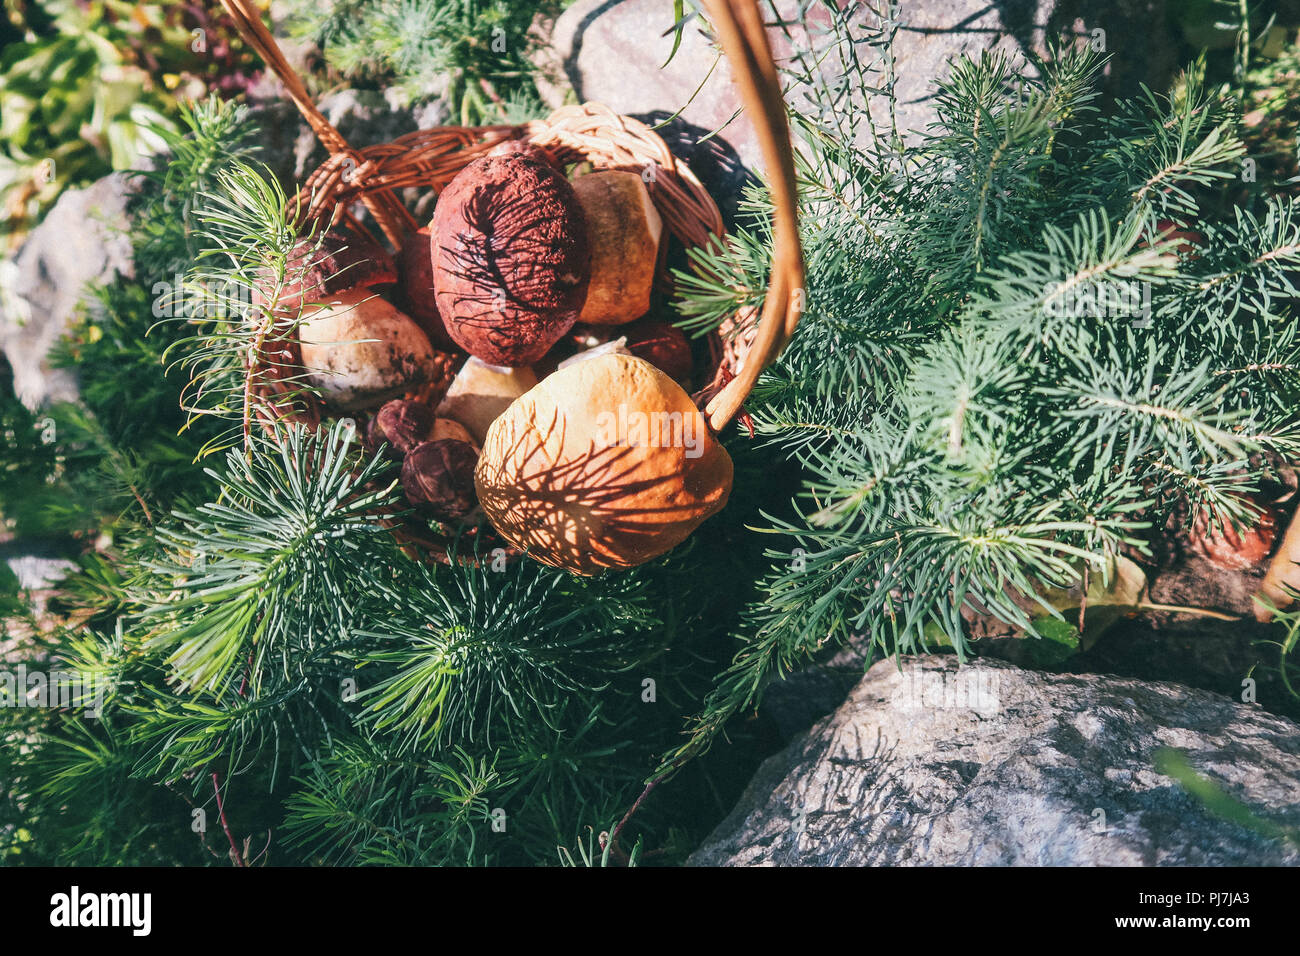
592 133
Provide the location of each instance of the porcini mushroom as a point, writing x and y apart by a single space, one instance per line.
416 279
403 424
480 392
605 464
510 258
320 267
662 345
623 230
358 351
438 479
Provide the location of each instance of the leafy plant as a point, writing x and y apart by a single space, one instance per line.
119 455
270 657
91 88
477 48
1008 373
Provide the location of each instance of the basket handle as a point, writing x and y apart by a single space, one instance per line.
739 26
248 20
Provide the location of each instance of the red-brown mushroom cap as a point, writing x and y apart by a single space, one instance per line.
510 259
519 147
662 345
402 424
416 269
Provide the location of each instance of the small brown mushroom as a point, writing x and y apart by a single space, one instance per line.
403 424
1235 549
662 345
438 478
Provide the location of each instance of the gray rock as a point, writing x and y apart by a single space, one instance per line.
81 240
613 51
36 572
989 764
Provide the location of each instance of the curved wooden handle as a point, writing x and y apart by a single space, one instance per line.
384 206
744 40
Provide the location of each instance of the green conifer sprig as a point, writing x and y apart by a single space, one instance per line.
479 653
977 419
269 570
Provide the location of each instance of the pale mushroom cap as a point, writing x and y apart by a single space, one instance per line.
607 463
449 428
359 350
623 230
480 392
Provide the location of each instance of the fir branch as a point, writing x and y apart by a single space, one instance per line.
272 570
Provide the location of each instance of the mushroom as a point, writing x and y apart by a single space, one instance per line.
480 392
318 268
605 464
623 231
662 345
450 428
359 351
416 278
403 424
616 346
1239 548
510 259
519 147
438 479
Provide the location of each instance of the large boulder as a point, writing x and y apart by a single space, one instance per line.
614 51
987 764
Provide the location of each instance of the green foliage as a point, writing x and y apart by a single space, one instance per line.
495 657
973 418
276 644
246 236
264 644
365 805
266 573
981 413
1272 120
90 87
478 48
119 455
